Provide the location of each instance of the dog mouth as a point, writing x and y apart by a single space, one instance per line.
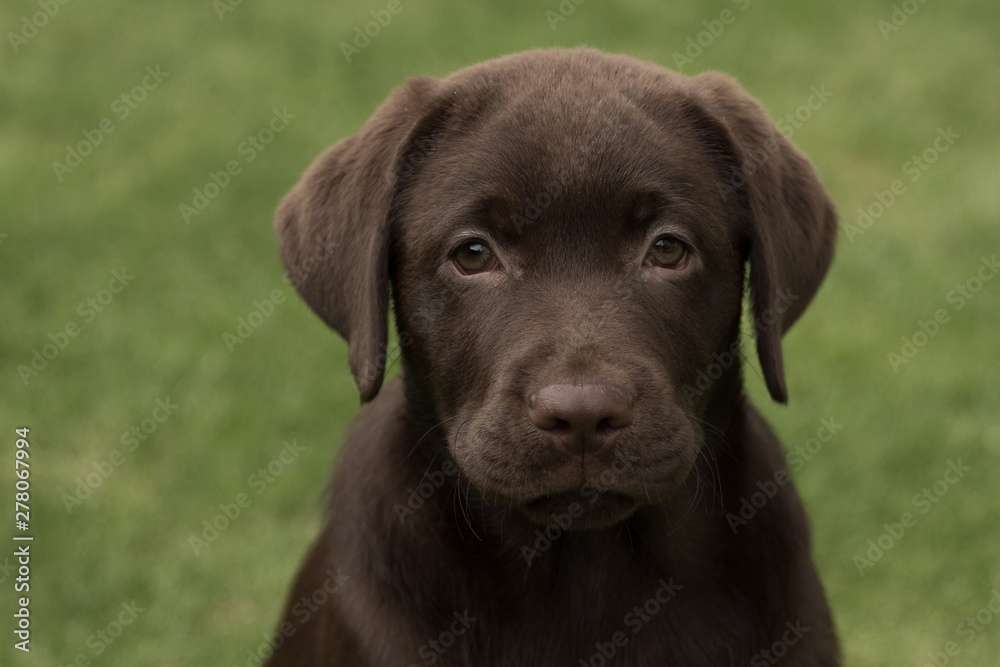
583 509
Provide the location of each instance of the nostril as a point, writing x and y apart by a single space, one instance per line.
617 417
581 417
549 420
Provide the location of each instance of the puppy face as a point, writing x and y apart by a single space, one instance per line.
566 234
623 281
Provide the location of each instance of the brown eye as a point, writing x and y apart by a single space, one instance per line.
666 252
474 257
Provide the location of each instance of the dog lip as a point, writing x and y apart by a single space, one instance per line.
573 510
574 495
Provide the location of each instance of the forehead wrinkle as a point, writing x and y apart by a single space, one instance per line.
501 196
692 212
561 158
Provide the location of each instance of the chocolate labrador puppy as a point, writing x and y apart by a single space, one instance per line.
557 476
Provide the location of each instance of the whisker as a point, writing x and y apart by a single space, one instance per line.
689 512
421 438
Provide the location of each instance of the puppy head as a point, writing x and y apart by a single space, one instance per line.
566 233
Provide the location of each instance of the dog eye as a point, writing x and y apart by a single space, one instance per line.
474 257
666 252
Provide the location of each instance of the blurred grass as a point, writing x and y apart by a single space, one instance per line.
162 335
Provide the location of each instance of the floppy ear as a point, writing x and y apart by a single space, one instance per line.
792 224
333 228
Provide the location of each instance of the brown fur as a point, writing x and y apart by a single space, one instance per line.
568 163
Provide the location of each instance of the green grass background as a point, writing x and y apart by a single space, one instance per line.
162 336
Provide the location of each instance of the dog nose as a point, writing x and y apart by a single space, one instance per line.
582 418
